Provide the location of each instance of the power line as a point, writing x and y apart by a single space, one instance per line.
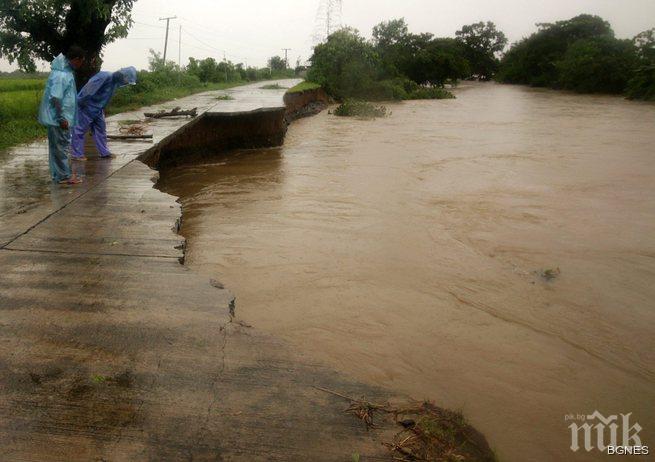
149 25
215 34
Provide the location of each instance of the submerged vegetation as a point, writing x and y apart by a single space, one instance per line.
360 109
582 54
424 431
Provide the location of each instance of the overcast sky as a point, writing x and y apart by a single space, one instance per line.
253 30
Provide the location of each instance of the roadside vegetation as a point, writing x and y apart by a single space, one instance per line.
582 54
20 94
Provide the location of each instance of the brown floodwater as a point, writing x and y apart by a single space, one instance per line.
408 252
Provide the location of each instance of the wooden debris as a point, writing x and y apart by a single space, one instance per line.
177 112
427 432
130 137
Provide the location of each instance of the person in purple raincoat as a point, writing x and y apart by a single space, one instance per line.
91 102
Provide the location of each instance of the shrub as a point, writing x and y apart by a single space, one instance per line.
360 109
430 93
642 85
597 65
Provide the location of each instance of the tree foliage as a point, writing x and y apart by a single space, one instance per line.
582 54
395 64
645 43
533 60
482 43
345 65
41 29
434 61
642 84
277 63
597 65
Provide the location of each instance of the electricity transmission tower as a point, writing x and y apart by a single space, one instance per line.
328 19
286 57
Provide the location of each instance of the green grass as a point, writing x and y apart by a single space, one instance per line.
18 113
125 101
303 86
7 85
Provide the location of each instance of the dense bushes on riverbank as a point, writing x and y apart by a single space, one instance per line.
582 54
397 64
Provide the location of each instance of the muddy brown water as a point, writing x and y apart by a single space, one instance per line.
408 252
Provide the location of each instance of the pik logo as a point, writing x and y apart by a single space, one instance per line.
607 434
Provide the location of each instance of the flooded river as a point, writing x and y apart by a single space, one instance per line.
494 253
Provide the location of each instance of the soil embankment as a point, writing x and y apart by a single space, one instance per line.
305 103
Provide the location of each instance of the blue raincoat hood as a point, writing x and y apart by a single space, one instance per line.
97 93
60 87
60 63
125 76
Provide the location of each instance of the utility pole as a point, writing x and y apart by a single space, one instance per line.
225 61
328 18
179 49
168 20
286 57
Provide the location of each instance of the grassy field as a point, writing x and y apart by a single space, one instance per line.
19 102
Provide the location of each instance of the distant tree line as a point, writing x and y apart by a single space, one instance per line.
208 70
397 64
582 54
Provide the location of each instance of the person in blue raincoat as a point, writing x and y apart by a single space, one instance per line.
58 112
91 102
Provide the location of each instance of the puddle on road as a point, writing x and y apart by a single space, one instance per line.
410 252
